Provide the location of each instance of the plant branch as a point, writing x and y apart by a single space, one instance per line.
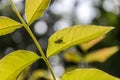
40 50
16 11
33 37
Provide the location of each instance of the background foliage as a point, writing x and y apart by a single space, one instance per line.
102 12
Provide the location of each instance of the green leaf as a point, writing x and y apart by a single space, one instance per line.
88 74
8 25
101 55
35 9
71 36
14 63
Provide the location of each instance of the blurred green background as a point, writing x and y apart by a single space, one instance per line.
61 14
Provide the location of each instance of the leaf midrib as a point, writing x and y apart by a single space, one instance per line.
12 26
35 12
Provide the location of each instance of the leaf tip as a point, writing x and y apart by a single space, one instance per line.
111 28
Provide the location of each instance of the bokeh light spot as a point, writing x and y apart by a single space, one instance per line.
40 27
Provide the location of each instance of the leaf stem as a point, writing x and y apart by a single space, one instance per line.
16 11
26 26
40 50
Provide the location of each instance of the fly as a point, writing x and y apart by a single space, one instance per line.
58 41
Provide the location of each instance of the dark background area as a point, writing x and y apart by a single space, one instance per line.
60 14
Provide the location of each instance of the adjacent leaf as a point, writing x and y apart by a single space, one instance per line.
70 68
24 74
14 63
34 9
101 55
40 74
88 74
68 37
86 46
72 57
8 25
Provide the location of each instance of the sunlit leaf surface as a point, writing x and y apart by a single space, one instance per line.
8 25
14 63
34 9
101 55
88 74
71 36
